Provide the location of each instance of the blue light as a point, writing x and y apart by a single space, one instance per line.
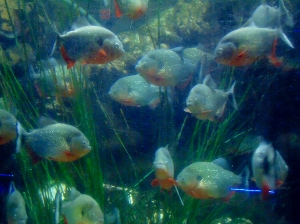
249 190
6 175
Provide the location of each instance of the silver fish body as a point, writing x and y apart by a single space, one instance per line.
15 207
269 168
246 45
162 68
266 16
163 164
206 103
207 180
82 209
57 141
134 90
89 44
134 9
54 81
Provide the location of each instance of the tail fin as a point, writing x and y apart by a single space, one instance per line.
12 187
56 41
20 134
245 176
57 207
113 217
231 96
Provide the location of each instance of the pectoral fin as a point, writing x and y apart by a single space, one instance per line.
242 54
154 183
117 8
102 52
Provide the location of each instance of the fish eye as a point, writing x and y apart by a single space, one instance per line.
145 65
117 45
199 178
196 100
83 143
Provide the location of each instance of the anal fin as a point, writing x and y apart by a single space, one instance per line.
70 62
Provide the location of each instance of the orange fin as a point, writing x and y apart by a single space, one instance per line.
205 112
65 220
34 157
102 52
193 194
69 154
172 181
70 62
242 54
272 58
275 61
229 196
274 47
117 8
154 183
154 103
279 183
265 191
38 89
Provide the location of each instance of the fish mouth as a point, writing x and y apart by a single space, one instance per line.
160 166
138 68
99 221
22 221
129 102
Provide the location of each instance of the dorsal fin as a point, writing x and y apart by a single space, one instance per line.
44 121
80 22
72 194
208 81
12 187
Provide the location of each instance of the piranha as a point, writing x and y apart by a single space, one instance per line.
164 169
135 91
266 16
78 209
56 141
54 81
163 67
204 180
10 129
246 45
269 168
207 103
15 207
134 9
89 44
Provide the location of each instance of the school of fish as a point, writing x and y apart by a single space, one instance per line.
91 44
